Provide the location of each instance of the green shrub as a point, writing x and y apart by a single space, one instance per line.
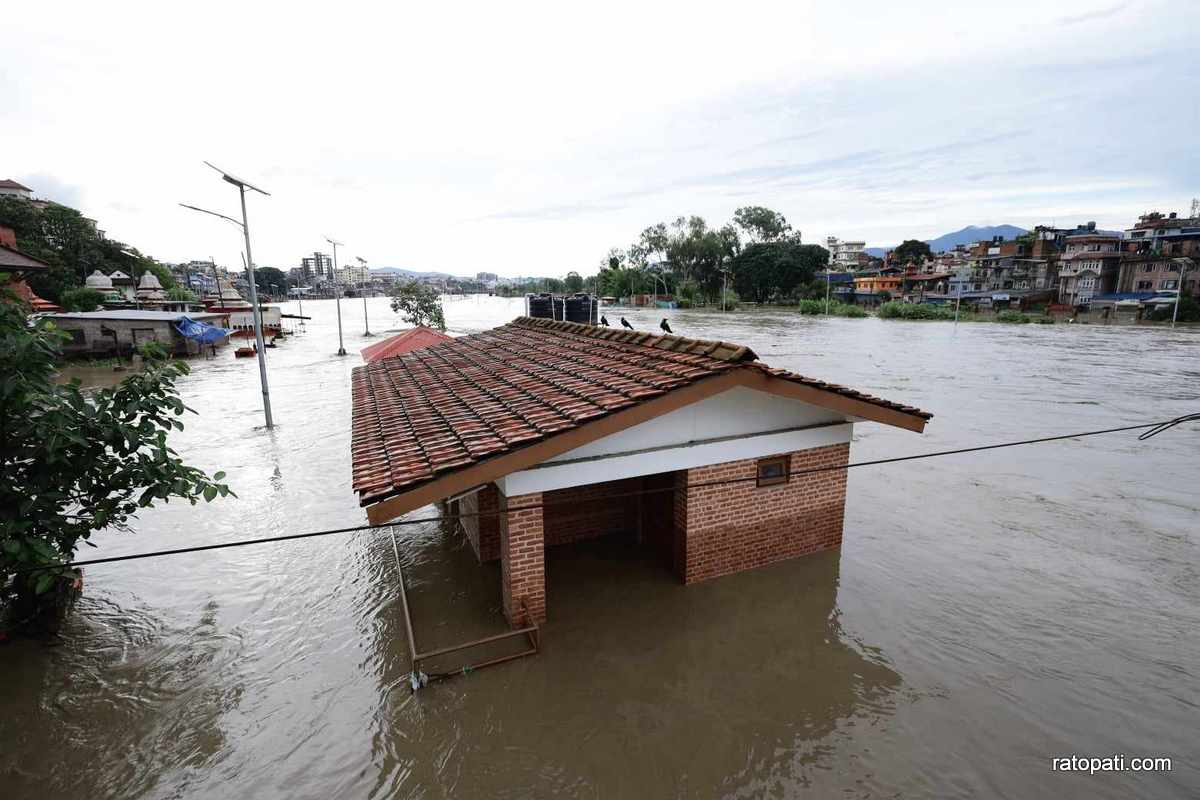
1015 317
896 310
81 299
683 302
835 308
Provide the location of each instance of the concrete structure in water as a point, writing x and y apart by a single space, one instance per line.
542 433
109 333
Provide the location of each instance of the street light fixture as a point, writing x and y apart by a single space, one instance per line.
337 293
256 312
362 263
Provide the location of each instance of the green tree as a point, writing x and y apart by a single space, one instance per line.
912 251
419 304
80 299
573 283
762 224
72 464
266 277
183 294
767 270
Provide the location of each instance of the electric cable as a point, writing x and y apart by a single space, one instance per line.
1149 429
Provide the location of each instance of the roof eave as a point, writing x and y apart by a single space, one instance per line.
382 507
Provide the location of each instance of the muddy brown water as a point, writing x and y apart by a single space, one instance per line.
987 612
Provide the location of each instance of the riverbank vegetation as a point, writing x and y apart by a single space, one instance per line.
755 256
70 243
832 308
72 464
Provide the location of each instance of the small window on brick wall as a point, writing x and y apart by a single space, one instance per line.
772 471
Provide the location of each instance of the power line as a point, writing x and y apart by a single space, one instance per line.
1149 429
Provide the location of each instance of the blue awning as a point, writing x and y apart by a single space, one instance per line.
200 331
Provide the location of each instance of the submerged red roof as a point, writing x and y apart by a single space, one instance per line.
403 343
446 407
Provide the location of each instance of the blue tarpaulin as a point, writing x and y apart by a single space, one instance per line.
200 331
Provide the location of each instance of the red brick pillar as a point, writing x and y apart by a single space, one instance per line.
522 558
489 523
480 521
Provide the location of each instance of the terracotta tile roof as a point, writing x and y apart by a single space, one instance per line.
430 412
9 183
403 343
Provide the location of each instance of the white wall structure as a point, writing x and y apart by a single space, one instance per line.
736 424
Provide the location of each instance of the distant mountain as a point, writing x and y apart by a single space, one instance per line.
968 235
972 234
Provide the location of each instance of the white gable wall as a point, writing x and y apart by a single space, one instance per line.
736 424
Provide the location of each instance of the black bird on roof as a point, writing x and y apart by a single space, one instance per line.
665 326
604 321
625 323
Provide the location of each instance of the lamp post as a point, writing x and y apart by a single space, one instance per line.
256 311
827 279
337 294
362 263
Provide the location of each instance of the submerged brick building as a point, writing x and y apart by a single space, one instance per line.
541 433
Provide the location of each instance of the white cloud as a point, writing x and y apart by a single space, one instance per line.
530 139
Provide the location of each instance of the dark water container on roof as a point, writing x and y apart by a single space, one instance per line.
541 306
582 308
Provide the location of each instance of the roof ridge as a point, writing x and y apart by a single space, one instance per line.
719 350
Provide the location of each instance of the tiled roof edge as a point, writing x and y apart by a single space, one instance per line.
721 351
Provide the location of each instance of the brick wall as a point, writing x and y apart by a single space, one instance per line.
481 527
580 512
739 526
522 558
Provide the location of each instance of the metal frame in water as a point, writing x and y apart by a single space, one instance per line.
417 678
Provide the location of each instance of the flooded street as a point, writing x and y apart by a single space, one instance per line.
988 612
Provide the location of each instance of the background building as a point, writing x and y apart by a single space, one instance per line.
844 255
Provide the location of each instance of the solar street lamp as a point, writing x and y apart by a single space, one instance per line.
256 312
337 293
362 263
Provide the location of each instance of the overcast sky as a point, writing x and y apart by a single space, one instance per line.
528 139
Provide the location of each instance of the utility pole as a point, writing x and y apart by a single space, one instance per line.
256 311
827 290
362 263
1183 270
337 293
962 275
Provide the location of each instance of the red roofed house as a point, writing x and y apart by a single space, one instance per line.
403 343
547 432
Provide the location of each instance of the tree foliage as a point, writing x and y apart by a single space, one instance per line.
767 270
266 277
419 304
762 224
912 251
573 282
695 258
80 299
72 464
71 245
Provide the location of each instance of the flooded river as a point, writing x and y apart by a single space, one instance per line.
987 612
